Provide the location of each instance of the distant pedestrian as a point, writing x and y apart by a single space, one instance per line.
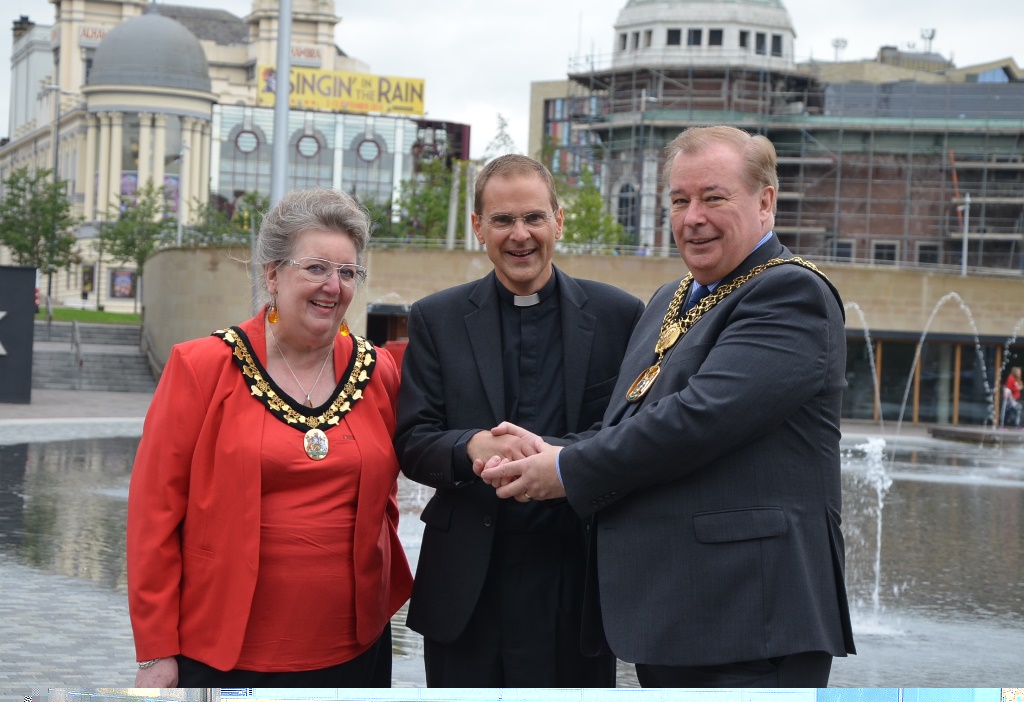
1011 398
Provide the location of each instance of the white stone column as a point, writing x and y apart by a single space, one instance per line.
204 161
159 148
145 148
195 164
103 168
184 169
89 175
116 142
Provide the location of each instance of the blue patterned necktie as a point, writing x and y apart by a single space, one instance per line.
699 293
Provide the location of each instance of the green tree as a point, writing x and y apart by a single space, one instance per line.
36 222
587 222
249 211
502 143
424 201
212 225
381 226
139 229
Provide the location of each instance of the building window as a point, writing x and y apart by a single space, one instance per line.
842 250
929 254
885 251
636 40
628 215
759 46
694 36
647 38
714 37
777 45
674 37
622 42
744 39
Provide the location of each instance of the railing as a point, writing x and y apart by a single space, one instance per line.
564 248
156 365
76 349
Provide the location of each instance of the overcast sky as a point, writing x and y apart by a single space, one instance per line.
478 58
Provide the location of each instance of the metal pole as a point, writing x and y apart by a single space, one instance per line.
966 208
254 283
279 154
52 235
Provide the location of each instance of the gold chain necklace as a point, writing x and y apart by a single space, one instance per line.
315 440
673 328
309 402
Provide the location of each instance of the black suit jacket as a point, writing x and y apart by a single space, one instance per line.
452 384
718 497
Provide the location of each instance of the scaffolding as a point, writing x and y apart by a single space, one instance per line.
872 172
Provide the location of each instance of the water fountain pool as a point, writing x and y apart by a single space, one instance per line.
934 531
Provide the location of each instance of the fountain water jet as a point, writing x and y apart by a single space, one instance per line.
977 349
871 360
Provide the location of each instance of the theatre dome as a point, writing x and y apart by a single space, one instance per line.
153 51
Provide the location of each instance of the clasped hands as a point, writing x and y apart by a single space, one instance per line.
517 463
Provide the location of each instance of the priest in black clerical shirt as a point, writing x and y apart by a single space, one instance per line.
530 345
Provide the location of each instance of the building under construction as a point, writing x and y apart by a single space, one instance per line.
899 159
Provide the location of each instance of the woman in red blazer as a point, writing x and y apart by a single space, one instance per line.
262 514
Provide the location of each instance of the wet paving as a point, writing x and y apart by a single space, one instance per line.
935 554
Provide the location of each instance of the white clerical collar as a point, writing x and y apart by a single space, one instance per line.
526 300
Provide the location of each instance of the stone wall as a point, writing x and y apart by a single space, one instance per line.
190 293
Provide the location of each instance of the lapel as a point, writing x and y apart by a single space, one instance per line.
483 326
577 344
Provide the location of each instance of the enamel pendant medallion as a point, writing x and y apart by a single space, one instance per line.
315 444
643 383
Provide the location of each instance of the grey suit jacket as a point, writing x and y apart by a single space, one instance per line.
452 383
718 498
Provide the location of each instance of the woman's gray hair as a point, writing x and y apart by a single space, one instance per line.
299 211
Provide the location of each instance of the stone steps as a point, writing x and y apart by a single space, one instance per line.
111 359
110 334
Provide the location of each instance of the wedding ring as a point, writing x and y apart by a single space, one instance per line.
527 496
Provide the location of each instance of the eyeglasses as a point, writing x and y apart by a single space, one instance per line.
318 270
531 220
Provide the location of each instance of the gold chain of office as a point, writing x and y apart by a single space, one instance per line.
673 327
363 358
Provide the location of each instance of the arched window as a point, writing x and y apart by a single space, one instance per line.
368 167
244 159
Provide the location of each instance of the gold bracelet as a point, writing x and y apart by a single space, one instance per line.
148 664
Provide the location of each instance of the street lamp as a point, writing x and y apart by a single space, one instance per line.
965 209
56 164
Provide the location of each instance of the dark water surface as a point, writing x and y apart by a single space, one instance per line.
934 531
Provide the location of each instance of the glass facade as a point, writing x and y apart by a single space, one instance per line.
951 382
366 155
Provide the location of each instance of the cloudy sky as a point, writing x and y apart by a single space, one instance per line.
478 58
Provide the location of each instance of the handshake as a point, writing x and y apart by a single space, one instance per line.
517 463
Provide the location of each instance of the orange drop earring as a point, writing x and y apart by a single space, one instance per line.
343 329
272 315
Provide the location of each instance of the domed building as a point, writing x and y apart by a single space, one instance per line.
149 108
180 97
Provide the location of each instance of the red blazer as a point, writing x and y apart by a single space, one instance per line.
194 504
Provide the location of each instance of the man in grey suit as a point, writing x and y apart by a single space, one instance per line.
715 479
531 345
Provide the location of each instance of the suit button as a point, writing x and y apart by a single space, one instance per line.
488 521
